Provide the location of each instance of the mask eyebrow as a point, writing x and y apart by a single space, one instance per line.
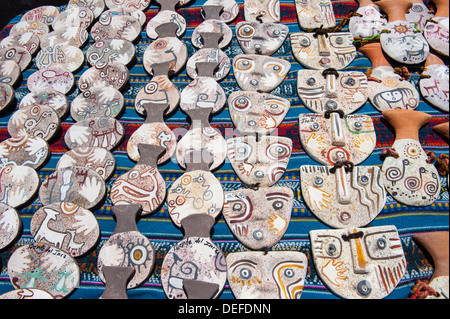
242 262
277 195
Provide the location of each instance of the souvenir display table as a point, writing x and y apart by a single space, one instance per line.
111 213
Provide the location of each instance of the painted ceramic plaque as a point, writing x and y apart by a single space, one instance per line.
36 27
343 199
159 90
111 50
195 257
9 72
18 54
271 275
166 49
62 56
129 4
111 74
333 50
259 73
7 94
367 22
77 185
96 6
230 9
261 38
209 55
18 184
153 131
10 225
96 158
106 132
254 112
40 266
74 17
262 10
127 247
113 26
260 162
76 36
329 140
27 150
433 83
419 13
29 41
37 120
51 78
202 136
45 14
164 16
212 25
330 90
26 293
436 29
315 14
408 177
135 13
258 218
46 97
99 102
359 263
65 226
143 184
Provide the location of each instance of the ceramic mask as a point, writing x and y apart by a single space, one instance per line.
63 56
419 14
106 132
164 16
343 199
408 178
73 17
65 226
322 91
96 6
367 23
45 14
260 162
230 9
44 267
260 38
54 99
143 184
18 184
127 247
113 26
259 73
262 10
254 112
329 140
194 258
26 150
18 54
315 14
77 185
111 50
258 218
323 51
435 86
11 225
112 74
359 263
271 275
29 41
51 78
96 158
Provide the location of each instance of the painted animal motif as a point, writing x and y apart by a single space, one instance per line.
45 233
262 10
260 163
51 78
260 38
322 51
24 150
436 33
331 139
101 102
259 73
315 14
18 184
63 56
111 26
164 16
359 263
419 14
271 275
112 74
343 199
330 90
254 112
434 85
258 218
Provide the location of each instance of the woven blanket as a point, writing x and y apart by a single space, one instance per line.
159 228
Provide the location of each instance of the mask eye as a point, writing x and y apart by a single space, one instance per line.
278 204
278 151
274 107
304 42
275 67
244 65
241 103
246 31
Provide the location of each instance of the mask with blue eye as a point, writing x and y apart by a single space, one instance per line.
262 10
258 218
315 14
323 50
254 112
271 275
359 263
259 73
332 90
260 38
342 198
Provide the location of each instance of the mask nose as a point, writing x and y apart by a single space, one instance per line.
360 265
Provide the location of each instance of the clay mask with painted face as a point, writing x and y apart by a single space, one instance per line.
258 218
323 51
329 140
259 73
254 112
275 275
260 163
262 10
334 90
343 199
315 13
359 263
260 38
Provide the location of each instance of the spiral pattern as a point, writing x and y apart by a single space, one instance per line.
393 174
413 183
